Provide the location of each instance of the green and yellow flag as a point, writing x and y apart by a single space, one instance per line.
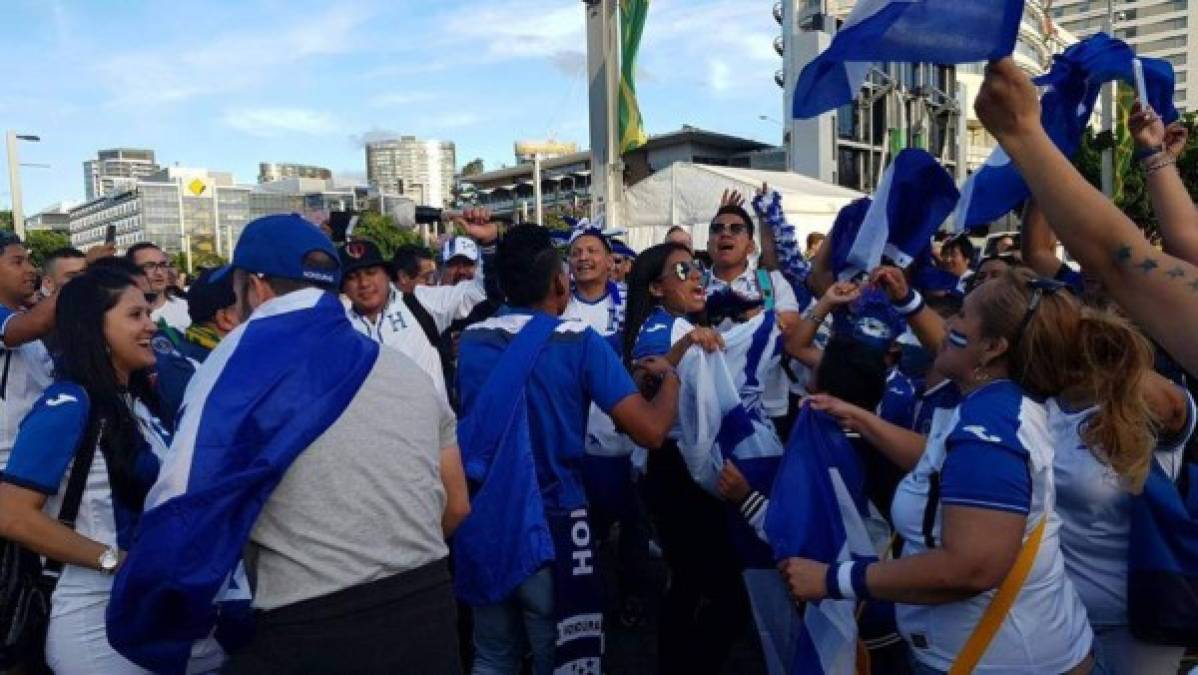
632 26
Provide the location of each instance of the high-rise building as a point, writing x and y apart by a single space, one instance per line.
1165 29
116 169
420 169
271 171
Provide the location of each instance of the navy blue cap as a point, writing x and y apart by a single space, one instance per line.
276 246
871 321
211 292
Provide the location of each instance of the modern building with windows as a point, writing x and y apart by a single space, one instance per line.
53 218
198 211
1164 29
272 171
116 169
420 169
901 105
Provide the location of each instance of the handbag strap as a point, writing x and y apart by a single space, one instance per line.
1000 605
85 454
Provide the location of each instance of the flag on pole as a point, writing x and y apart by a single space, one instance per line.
1073 85
632 26
905 31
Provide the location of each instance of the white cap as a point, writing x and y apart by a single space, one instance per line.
460 246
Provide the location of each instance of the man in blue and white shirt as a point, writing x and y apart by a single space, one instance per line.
25 366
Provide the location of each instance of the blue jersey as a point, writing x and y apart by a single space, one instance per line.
576 367
943 397
898 403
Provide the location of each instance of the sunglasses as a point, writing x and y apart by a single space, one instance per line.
683 269
716 229
1040 287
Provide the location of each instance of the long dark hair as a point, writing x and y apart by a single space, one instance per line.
649 266
84 359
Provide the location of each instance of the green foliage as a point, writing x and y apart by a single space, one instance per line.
179 260
555 221
41 242
5 220
474 167
1131 194
382 230
206 260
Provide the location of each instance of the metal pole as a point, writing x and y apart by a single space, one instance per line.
14 182
1108 115
536 188
962 133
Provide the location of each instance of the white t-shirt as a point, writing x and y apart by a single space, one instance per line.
606 317
1096 512
174 313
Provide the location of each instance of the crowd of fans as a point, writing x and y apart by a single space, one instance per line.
308 402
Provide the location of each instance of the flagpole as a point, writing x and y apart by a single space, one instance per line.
1108 116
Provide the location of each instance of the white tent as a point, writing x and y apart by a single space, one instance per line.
688 194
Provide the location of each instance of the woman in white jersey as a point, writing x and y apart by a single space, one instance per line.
103 392
981 494
1113 418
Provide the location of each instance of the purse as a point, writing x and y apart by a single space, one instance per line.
26 585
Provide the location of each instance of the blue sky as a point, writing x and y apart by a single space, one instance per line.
227 84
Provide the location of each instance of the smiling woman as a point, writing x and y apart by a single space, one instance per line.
100 414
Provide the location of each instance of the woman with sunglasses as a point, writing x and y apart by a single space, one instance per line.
103 396
976 510
705 609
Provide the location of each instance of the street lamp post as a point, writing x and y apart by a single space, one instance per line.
14 178
1108 116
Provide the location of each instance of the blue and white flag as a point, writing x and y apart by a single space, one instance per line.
268 390
718 417
904 31
818 511
1073 85
913 199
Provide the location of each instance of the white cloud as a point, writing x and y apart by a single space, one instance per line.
372 135
719 76
540 29
268 122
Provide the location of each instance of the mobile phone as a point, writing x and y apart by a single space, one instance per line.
110 235
1137 68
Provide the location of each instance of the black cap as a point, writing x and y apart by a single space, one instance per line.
207 295
359 254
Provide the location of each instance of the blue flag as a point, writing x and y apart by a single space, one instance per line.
817 510
913 199
1162 583
1074 83
905 31
268 390
506 537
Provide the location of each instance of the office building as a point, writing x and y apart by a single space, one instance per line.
272 171
116 169
1163 29
53 218
199 211
420 169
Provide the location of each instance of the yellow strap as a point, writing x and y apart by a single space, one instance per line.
1000 605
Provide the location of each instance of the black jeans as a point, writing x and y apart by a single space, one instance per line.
406 623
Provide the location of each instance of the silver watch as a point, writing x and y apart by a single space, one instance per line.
109 560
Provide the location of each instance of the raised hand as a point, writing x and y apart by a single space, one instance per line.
732 198
891 280
1146 127
1007 103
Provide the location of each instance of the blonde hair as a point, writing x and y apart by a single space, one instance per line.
1065 346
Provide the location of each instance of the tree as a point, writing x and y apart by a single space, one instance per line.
474 167
1131 195
5 220
41 242
382 230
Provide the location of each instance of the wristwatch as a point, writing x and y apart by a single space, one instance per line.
109 560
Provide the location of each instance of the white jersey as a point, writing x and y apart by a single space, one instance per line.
25 372
1096 512
1046 630
396 327
775 397
606 317
174 312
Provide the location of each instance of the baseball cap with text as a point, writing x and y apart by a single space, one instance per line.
276 246
460 247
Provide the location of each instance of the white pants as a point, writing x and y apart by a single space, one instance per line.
1118 653
77 644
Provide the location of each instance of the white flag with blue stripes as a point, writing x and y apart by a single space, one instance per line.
904 31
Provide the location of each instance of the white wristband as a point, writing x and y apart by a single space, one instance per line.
913 305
